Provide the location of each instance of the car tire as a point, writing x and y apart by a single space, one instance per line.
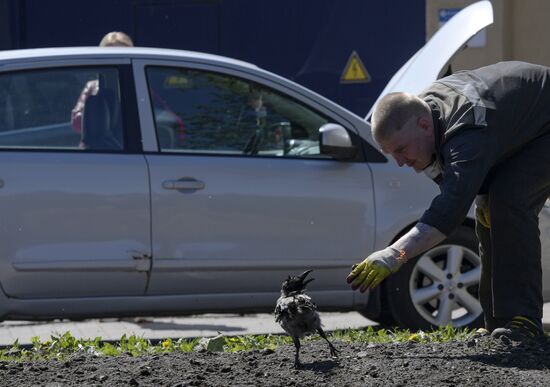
439 287
377 308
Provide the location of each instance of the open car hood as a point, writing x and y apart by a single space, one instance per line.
427 64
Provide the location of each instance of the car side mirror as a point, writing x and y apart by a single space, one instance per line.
335 141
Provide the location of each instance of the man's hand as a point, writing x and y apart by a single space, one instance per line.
375 268
482 210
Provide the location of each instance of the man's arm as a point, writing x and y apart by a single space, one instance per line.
377 266
419 239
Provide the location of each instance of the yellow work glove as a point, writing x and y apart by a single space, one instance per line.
375 268
482 210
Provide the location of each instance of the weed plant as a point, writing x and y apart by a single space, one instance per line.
63 347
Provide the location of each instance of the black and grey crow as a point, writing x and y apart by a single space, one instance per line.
297 313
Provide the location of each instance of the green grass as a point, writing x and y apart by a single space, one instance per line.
63 346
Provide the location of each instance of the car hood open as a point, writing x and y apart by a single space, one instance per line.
428 62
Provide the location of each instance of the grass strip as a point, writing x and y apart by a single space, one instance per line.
62 347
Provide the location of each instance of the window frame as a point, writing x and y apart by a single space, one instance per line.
278 84
128 105
253 85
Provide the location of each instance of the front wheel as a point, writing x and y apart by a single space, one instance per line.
440 287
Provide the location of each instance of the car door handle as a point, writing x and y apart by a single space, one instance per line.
183 184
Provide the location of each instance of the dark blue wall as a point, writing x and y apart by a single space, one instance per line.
308 41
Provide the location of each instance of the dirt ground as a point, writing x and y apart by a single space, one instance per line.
478 362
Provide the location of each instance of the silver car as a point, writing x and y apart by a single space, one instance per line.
141 181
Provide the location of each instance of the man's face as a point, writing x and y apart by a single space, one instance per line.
412 145
255 102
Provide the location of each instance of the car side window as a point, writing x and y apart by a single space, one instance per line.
62 108
205 112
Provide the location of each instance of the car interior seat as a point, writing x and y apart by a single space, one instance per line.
114 112
98 122
7 121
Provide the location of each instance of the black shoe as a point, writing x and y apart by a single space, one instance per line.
492 323
520 328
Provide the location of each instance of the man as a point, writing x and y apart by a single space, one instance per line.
252 121
485 135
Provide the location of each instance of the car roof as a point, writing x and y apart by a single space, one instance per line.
42 55
56 53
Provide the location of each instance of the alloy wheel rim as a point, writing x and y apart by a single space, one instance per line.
444 286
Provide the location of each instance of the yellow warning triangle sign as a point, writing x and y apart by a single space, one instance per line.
355 71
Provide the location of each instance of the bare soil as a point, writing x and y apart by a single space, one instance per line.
478 362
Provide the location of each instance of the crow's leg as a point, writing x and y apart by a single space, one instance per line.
297 355
333 350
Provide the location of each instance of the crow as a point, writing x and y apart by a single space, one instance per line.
297 313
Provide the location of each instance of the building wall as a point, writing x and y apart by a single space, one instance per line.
520 32
531 37
307 41
5 24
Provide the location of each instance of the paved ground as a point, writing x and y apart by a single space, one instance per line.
175 327
158 328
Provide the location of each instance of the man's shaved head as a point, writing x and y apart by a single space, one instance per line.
393 111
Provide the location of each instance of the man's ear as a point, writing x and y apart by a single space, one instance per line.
424 123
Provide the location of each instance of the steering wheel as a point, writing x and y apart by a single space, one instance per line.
280 131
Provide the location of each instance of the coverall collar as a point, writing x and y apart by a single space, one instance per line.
435 170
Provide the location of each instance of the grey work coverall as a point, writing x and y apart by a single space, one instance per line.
492 129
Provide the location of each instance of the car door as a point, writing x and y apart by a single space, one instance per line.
241 196
74 203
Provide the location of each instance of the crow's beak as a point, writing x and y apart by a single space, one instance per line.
303 277
308 281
